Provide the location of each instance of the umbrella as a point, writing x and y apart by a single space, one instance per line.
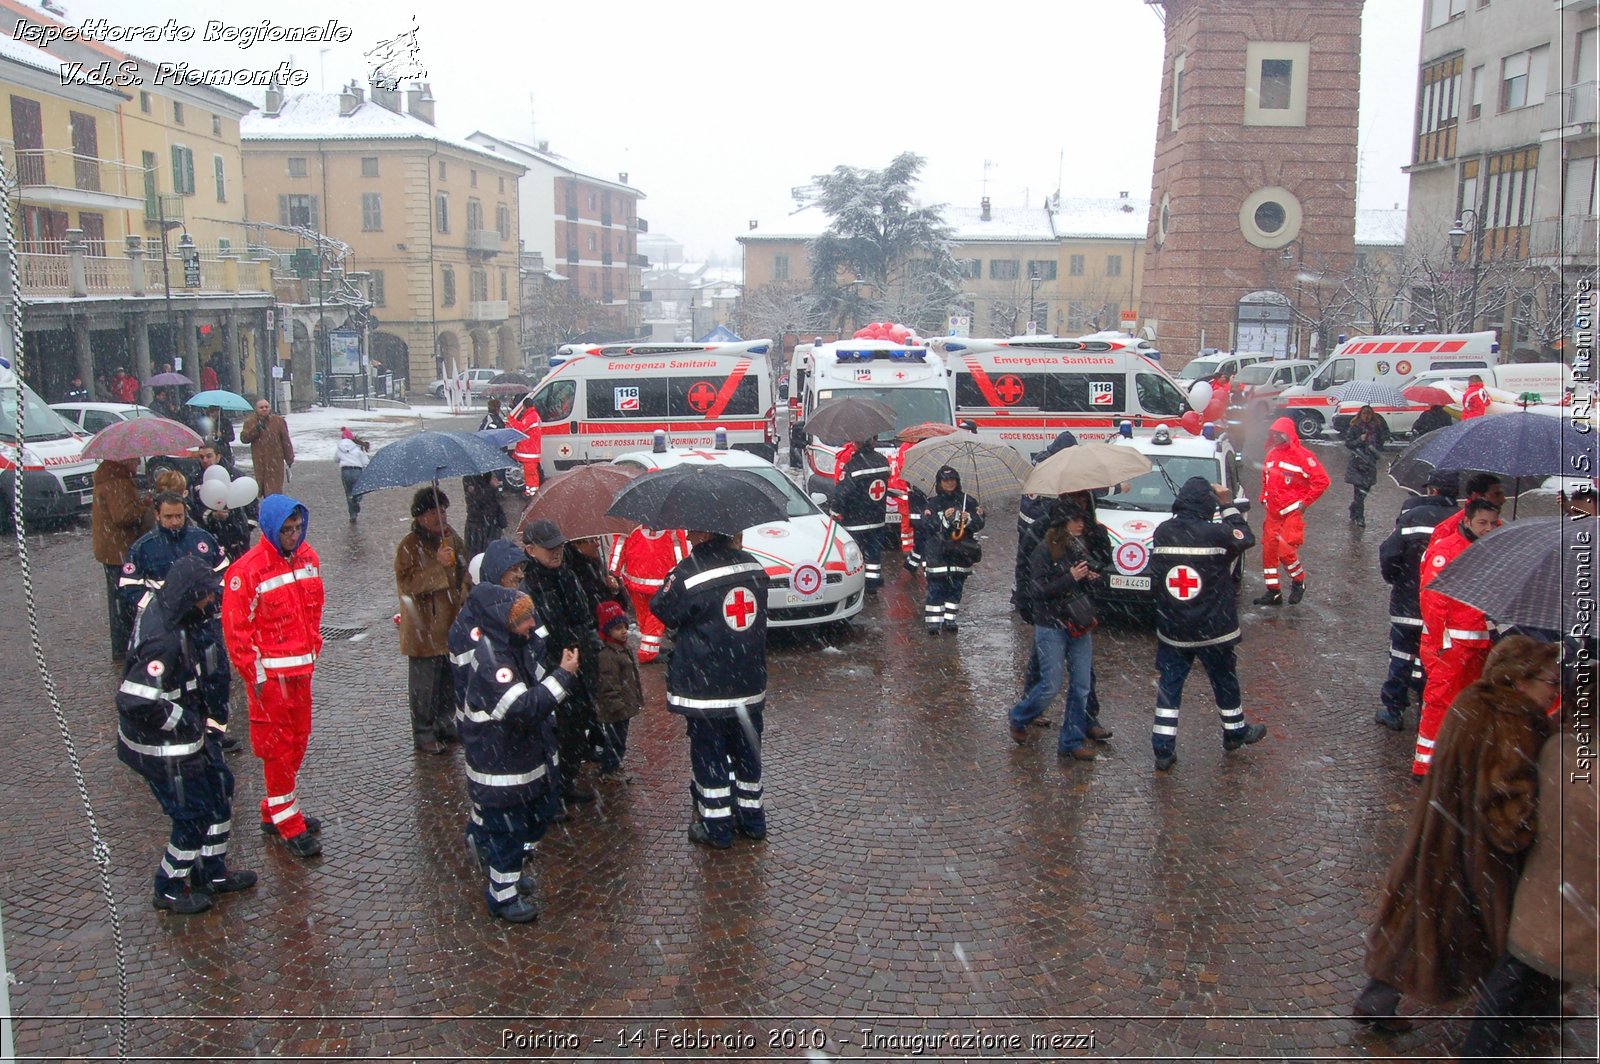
505 390
1529 572
991 471
1428 395
702 498
1369 393
925 431
841 421
143 437
577 501
1084 468
169 380
223 398
501 438
1518 445
512 378
429 457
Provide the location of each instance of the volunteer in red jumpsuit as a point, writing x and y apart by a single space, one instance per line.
1291 480
900 505
1475 400
643 562
271 619
1456 638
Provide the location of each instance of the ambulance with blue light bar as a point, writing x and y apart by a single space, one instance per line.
606 400
1025 391
909 378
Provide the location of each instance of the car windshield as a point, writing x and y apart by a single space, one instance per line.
1199 369
41 422
911 406
1153 491
1260 373
799 504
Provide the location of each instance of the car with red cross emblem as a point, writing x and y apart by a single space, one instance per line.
1131 513
815 572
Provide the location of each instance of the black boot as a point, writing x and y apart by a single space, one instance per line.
1297 591
1271 598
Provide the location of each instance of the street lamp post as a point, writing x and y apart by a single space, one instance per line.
1298 258
1468 223
1033 297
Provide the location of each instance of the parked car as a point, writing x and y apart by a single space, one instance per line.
477 380
1257 386
810 549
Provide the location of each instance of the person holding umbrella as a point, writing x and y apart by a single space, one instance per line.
1364 440
430 575
953 519
1435 417
860 505
271 449
1291 480
118 517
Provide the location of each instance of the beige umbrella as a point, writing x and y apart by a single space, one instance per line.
1084 468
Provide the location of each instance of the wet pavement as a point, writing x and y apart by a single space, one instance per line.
928 887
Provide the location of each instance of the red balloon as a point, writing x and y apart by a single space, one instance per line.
1192 421
1217 409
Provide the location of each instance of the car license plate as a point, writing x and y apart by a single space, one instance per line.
1130 583
792 599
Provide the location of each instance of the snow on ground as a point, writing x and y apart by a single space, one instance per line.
316 432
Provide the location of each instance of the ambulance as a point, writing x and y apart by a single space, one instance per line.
605 400
910 378
1026 390
1387 359
57 482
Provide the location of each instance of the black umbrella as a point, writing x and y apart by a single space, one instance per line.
850 420
1537 572
511 378
1514 445
702 498
429 457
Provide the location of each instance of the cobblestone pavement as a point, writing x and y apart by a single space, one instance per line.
924 877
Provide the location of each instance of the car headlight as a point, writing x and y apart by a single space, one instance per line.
852 555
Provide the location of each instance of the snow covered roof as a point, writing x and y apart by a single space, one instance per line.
527 153
39 59
1381 227
315 116
1100 218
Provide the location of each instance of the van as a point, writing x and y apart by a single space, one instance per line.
1211 364
605 400
1027 390
1387 359
57 482
1549 381
1257 387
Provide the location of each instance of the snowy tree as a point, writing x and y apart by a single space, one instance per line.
883 256
778 308
553 314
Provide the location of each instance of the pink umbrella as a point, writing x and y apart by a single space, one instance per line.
143 437
925 431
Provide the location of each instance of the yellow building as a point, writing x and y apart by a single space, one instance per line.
107 163
430 219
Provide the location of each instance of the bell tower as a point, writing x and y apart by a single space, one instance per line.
1253 196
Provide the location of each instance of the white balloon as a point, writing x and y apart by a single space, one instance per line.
216 472
214 494
475 569
242 492
1200 396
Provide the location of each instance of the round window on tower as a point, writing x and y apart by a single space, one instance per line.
1270 217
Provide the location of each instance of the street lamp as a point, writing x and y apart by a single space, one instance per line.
1468 223
1033 298
1297 256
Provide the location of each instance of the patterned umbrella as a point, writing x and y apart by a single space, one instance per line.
1369 393
578 499
989 471
841 421
1529 572
926 431
170 380
429 457
1517 445
223 398
143 437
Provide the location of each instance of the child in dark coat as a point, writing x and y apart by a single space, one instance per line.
619 698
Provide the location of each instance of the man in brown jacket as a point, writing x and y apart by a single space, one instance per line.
271 451
119 516
430 573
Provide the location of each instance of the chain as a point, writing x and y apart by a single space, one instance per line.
102 852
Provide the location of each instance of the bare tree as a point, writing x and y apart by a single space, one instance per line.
775 309
553 314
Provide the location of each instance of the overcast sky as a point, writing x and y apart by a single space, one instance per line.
717 109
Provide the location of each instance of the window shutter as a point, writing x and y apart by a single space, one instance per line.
283 210
177 168
315 222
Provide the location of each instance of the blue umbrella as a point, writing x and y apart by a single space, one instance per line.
1515 445
223 398
429 457
501 438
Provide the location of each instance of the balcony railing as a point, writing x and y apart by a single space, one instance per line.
51 268
484 241
488 310
1572 239
1572 106
48 174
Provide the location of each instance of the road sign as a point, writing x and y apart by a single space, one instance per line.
191 273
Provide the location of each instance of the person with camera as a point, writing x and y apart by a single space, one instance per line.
952 519
1056 601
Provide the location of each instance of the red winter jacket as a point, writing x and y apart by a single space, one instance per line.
272 605
1291 477
648 556
1445 621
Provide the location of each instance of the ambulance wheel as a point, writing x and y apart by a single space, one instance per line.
1308 424
511 479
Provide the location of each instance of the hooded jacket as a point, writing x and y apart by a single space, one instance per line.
153 554
1291 477
1400 556
160 707
1191 569
508 702
272 604
943 530
715 600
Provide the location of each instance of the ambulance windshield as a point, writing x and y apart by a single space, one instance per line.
1152 491
911 406
42 422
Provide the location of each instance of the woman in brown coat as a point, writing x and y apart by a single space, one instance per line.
1447 904
119 515
271 451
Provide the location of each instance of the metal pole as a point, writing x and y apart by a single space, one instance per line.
166 276
7 1049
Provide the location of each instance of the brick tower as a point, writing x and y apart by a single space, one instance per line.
1253 198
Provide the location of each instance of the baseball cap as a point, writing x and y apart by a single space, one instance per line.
544 534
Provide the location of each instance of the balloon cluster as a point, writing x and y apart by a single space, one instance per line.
883 330
219 491
1212 405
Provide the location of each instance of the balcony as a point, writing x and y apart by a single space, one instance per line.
76 269
56 178
483 241
642 261
164 207
488 310
1567 241
640 225
1574 105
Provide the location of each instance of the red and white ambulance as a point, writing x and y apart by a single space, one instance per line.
609 399
56 480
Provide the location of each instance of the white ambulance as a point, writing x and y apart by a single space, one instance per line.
608 399
1026 390
56 480
1389 359
910 378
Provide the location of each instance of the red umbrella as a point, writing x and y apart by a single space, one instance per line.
578 499
925 431
143 437
1428 395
